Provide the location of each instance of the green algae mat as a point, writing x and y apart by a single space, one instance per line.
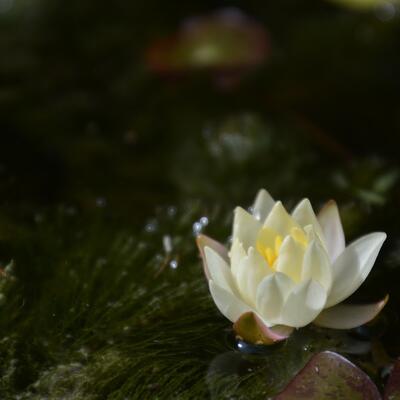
126 130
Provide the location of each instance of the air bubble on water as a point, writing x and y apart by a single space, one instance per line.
173 264
151 226
204 221
241 346
197 228
199 225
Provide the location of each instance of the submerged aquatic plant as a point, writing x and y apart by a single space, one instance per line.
285 271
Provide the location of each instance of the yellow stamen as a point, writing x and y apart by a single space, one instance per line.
278 244
270 256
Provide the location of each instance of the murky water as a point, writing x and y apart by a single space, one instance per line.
128 128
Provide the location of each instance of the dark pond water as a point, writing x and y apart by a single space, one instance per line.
126 123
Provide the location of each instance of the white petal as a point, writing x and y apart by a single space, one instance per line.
266 238
252 269
304 303
229 305
262 205
271 295
352 267
219 271
331 225
245 228
348 316
290 258
236 254
316 265
280 221
203 241
304 215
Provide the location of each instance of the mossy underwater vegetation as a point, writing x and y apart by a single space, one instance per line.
109 174
95 309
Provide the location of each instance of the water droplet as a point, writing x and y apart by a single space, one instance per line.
197 228
204 221
151 226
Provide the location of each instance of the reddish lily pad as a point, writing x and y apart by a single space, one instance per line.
227 39
328 375
392 389
252 329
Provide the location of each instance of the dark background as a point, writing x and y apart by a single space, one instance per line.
83 117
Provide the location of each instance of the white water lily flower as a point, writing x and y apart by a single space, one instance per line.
284 271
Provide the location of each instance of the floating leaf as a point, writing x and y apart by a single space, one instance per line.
227 39
392 389
252 329
328 375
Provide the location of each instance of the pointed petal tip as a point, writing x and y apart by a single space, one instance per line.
204 241
251 328
329 203
349 316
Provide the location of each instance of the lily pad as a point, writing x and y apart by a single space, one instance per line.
328 375
392 389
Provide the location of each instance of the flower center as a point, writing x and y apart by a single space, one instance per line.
270 253
269 243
